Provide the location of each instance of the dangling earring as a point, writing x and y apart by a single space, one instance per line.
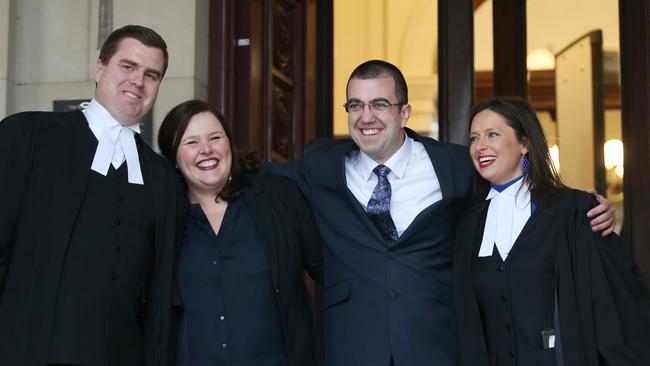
524 163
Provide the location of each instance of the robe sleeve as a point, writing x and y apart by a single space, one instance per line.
16 154
619 295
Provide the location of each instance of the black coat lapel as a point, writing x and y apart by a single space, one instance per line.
339 160
441 162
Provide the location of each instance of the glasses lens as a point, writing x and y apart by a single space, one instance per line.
354 106
379 105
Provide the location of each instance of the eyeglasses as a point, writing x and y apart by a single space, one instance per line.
379 105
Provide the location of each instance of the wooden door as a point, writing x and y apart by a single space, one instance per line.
262 73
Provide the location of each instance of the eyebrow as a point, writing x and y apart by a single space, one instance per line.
491 129
148 70
221 132
370 101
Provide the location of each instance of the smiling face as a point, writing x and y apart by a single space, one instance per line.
128 84
204 156
495 149
378 134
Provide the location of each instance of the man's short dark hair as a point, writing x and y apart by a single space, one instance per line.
375 69
144 35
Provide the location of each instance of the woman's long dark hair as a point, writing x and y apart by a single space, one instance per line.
542 177
172 129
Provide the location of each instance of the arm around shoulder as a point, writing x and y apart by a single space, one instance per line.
310 238
294 207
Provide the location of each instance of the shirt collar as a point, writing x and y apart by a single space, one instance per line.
98 117
115 142
512 189
397 163
503 187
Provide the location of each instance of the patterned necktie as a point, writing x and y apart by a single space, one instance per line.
379 205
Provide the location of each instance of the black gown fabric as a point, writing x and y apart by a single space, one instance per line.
45 180
603 303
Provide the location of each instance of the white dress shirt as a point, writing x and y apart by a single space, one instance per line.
116 142
414 184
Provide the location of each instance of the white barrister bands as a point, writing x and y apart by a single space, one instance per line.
508 213
116 142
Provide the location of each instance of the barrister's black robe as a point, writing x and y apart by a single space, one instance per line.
45 161
604 310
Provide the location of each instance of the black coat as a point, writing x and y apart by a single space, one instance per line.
292 245
45 161
604 309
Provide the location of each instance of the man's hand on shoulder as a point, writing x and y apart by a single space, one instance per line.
603 216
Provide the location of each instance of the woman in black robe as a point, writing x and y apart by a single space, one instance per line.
533 284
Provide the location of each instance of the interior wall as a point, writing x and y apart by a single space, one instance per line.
4 53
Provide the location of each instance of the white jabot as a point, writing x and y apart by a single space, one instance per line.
413 181
507 214
116 142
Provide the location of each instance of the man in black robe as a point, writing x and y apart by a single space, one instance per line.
88 222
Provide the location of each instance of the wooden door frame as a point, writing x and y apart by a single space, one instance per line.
634 23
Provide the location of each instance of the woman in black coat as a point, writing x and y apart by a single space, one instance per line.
247 241
533 285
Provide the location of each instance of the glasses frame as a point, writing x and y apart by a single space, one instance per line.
370 105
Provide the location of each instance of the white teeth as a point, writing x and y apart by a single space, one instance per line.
486 159
130 94
207 164
371 131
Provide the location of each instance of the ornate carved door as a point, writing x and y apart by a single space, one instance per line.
262 73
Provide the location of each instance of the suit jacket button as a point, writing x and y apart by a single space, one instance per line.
392 294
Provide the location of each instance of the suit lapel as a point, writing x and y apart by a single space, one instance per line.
341 179
440 160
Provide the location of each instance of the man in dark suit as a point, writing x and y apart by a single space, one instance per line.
386 202
88 222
